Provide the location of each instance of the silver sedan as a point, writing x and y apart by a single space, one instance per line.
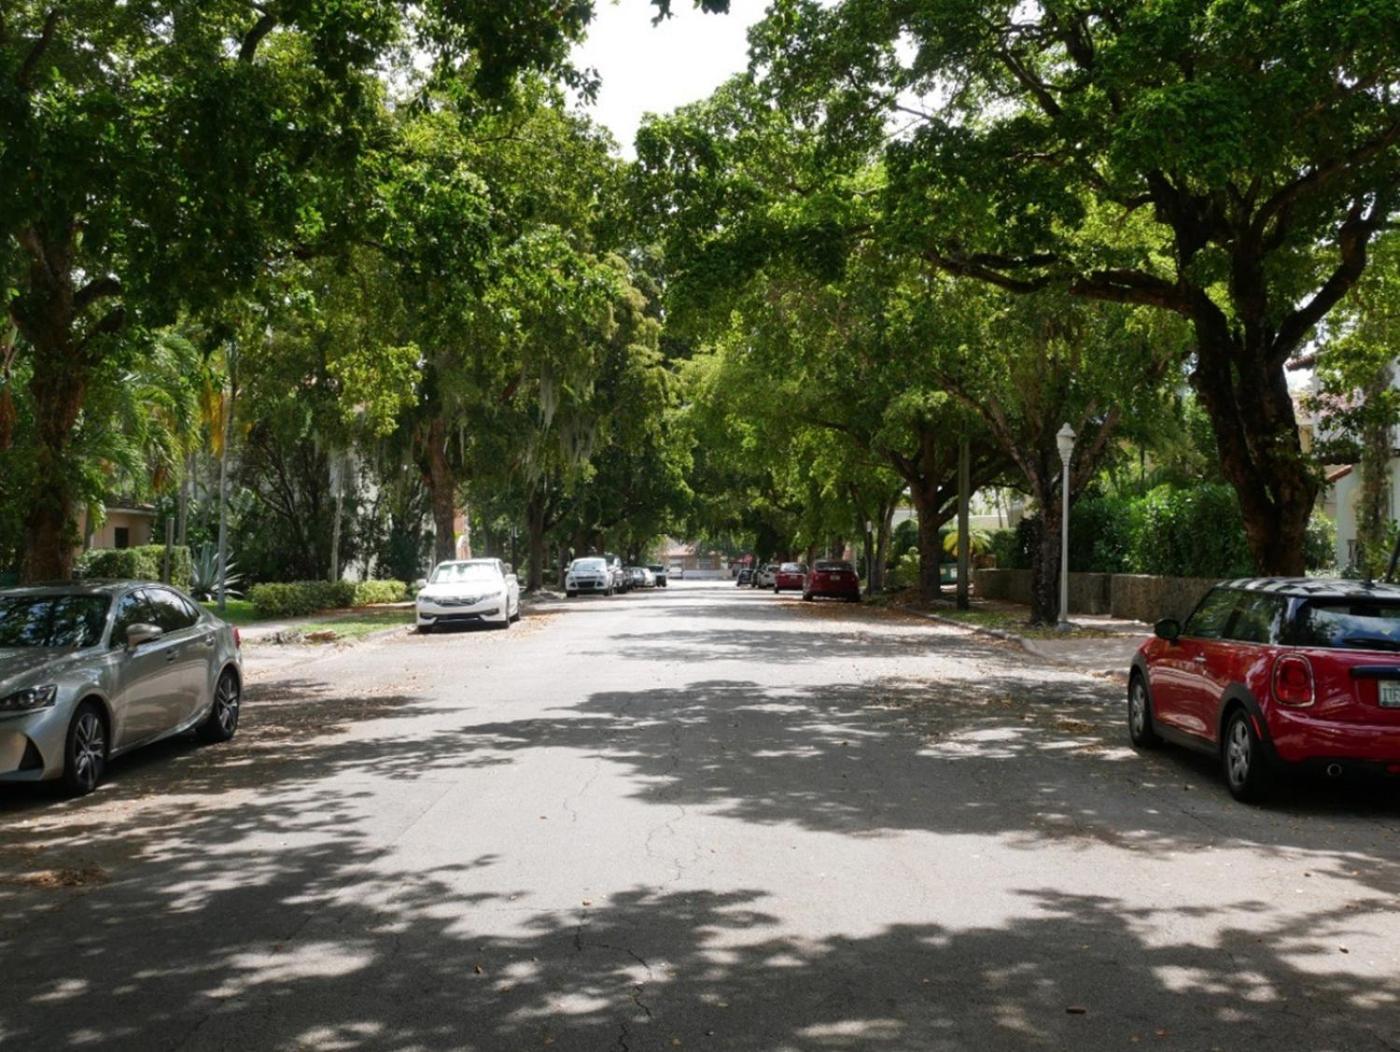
94 669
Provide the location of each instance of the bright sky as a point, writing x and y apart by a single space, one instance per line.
654 69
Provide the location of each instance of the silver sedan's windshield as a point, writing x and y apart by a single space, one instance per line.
450 572
588 566
52 620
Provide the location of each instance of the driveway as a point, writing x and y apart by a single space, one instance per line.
704 817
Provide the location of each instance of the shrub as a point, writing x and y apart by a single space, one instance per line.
1320 545
137 564
1195 532
1102 531
368 593
1005 553
904 573
204 580
300 598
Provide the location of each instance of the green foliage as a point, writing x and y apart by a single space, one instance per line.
300 598
1006 552
137 564
370 593
1102 534
1320 547
204 580
1194 532
905 571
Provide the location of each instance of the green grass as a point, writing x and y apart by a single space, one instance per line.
353 626
236 611
1011 623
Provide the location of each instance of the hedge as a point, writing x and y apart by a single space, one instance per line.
137 564
1174 532
367 593
300 598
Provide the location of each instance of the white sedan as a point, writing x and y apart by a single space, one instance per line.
468 591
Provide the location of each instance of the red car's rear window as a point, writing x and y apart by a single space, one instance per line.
1354 623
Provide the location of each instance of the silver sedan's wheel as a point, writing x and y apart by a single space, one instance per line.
85 757
222 721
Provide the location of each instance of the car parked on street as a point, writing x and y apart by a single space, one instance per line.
677 571
468 591
93 669
790 577
636 577
659 575
590 575
832 579
1276 674
745 577
763 576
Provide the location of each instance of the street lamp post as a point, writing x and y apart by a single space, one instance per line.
1065 441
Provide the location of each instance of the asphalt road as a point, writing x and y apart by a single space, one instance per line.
702 818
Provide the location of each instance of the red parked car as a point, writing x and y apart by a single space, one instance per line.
1275 674
834 579
790 577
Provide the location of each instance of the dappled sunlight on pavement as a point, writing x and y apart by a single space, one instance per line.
700 818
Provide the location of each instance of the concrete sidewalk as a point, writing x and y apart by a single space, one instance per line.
1105 649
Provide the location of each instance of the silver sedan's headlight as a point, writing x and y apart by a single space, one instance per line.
29 699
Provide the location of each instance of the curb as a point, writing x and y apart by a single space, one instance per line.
1022 642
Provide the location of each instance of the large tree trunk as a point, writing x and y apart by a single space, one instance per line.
882 542
1372 509
442 491
1261 453
337 512
535 512
927 506
50 535
1045 563
46 314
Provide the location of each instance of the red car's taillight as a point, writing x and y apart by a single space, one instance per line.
1293 680
237 639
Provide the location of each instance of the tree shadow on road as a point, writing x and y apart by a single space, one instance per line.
246 898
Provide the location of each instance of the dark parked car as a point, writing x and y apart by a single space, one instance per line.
790 577
1272 674
833 579
745 577
658 572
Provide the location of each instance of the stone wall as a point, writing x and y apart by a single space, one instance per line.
1143 597
1136 597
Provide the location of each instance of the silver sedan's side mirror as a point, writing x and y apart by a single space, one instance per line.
140 634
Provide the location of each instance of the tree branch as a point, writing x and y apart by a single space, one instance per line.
1313 180
111 322
261 28
25 77
1131 286
98 288
1353 240
969 269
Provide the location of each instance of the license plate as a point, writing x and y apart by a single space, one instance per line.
1390 693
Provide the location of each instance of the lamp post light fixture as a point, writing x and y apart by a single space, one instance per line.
1064 439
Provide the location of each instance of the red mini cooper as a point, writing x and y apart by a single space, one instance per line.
835 579
1276 673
